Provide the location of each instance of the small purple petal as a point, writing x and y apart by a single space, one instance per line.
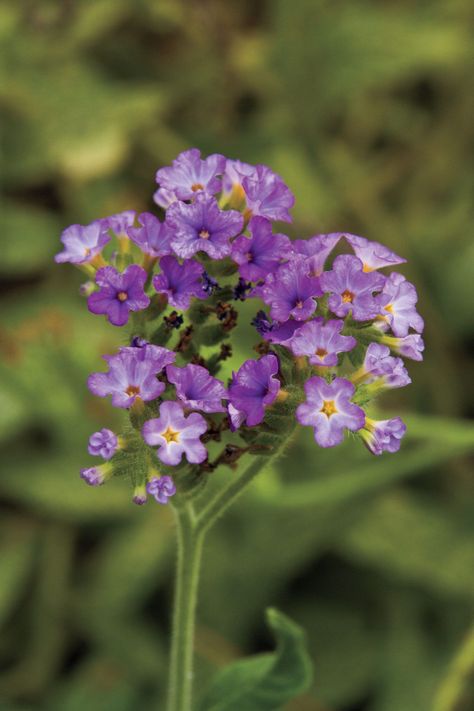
180 282
83 243
153 237
322 342
267 195
254 387
119 293
351 289
262 253
373 255
103 444
176 434
190 175
383 435
161 488
196 388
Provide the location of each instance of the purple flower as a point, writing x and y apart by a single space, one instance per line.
321 341
290 291
176 434
329 410
96 476
120 223
202 227
253 388
267 195
197 389
317 249
189 174
153 237
262 253
273 331
180 281
162 488
383 435
412 346
103 444
119 293
352 289
380 365
399 299
164 198
373 255
235 172
131 375
82 243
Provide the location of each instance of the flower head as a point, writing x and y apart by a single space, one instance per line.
267 195
202 227
161 488
262 253
180 282
196 388
373 255
322 342
131 375
253 388
83 243
328 408
103 444
190 174
317 249
96 476
380 365
399 299
351 289
383 435
290 292
176 434
119 293
153 237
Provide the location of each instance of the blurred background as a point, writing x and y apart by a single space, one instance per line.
365 109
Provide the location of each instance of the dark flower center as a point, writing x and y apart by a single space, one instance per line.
321 352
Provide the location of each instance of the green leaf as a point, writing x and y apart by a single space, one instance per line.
265 681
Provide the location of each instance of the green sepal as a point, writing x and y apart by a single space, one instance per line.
357 355
264 682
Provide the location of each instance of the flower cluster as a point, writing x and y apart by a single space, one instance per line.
331 327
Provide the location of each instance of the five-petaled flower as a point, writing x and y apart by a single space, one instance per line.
119 293
175 435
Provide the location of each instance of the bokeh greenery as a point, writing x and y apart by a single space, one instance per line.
365 108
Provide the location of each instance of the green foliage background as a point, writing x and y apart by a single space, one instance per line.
365 108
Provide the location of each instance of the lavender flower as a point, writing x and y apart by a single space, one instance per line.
322 342
412 346
96 476
120 223
189 174
275 332
267 195
317 249
119 293
383 435
379 365
202 227
103 444
164 198
153 237
161 488
176 435
235 172
329 410
262 253
180 282
132 375
196 388
352 289
399 298
83 243
373 255
290 291
253 388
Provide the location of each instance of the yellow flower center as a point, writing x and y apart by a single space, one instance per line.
132 390
321 352
389 308
122 296
328 408
197 186
366 268
204 234
347 297
170 435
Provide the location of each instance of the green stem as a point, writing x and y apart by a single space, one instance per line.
453 686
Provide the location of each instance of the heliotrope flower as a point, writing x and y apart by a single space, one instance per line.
275 332
383 435
196 388
380 365
164 198
253 388
132 374
317 249
103 444
267 195
83 243
180 282
189 174
290 292
329 410
161 488
262 253
322 342
351 289
120 222
153 237
96 476
373 255
399 299
235 172
119 293
412 346
202 227
175 435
